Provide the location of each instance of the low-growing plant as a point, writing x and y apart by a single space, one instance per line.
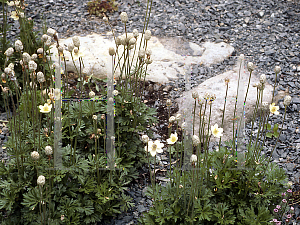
59 171
223 186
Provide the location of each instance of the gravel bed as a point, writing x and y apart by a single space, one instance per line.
266 32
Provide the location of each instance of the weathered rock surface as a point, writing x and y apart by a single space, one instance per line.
168 55
216 85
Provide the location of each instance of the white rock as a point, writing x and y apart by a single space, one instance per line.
167 58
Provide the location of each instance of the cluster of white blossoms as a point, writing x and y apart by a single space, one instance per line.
35 155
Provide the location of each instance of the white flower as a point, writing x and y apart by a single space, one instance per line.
195 95
217 132
250 66
124 17
9 52
18 46
105 19
172 119
277 69
40 77
92 94
48 42
145 138
173 138
70 47
154 147
193 158
41 180
195 140
35 155
111 51
147 35
274 109
48 150
115 92
94 117
26 57
32 65
287 100
76 41
45 108
262 78
14 15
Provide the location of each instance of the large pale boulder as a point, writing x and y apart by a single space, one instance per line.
168 55
216 85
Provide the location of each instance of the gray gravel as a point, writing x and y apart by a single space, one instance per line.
266 32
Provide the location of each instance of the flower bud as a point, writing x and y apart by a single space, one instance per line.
51 32
44 38
250 66
141 54
48 150
11 66
135 33
92 94
178 117
70 47
277 69
33 56
147 35
32 65
9 52
18 46
35 155
94 117
26 57
169 103
262 78
115 92
40 77
124 17
287 100
111 51
76 41
195 95
39 51
105 19
76 50
195 140
193 158
132 41
41 180
145 139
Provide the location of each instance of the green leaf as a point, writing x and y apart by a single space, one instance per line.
269 135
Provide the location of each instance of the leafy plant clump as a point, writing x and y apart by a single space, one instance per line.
99 7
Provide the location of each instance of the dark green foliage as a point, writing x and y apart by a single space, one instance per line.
228 195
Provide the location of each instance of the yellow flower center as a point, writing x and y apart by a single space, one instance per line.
154 146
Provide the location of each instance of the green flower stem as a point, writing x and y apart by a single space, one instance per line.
200 121
253 119
192 191
194 117
203 124
278 136
207 142
274 87
224 110
260 123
